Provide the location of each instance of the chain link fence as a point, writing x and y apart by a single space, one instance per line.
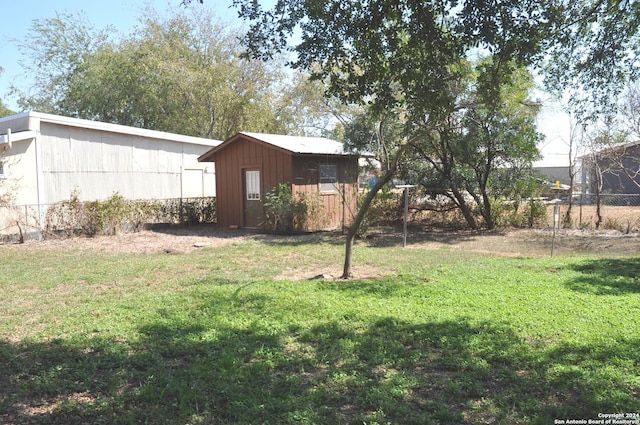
18 223
604 212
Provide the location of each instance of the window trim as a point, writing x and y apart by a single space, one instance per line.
252 189
328 182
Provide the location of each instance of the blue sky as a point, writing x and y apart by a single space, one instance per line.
18 15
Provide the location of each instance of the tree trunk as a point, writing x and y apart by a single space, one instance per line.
362 211
353 229
463 205
568 221
486 211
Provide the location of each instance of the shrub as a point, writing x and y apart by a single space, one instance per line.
286 212
114 214
309 212
613 223
279 209
531 214
536 213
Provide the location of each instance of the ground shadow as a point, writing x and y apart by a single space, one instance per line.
449 372
394 236
204 229
608 276
380 237
300 239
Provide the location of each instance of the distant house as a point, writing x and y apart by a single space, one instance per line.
617 169
553 174
45 158
248 165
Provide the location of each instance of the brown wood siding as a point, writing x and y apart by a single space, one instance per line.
275 167
339 207
279 166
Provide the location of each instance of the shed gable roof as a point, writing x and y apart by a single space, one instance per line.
292 144
302 145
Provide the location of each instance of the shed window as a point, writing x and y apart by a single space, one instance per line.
328 178
253 185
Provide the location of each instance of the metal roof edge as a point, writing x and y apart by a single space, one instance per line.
263 137
259 138
613 147
217 148
113 128
15 116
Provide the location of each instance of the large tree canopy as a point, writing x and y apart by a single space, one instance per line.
183 73
386 51
414 63
588 48
411 59
56 51
481 150
592 52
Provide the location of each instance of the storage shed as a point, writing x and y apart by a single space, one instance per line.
249 165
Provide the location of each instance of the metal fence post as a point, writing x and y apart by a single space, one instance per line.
580 219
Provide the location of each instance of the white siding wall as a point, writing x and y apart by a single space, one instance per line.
21 178
97 164
198 180
61 155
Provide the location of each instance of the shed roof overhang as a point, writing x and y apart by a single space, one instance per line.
287 144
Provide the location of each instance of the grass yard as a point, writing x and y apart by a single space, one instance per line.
225 335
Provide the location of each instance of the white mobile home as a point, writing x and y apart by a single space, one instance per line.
45 158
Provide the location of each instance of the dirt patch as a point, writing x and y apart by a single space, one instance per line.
365 272
172 240
565 242
518 242
504 242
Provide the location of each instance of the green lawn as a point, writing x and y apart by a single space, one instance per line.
215 336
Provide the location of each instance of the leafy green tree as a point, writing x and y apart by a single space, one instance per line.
591 52
604 139
4 111
481 148
306 110
586 49
386 140
57 50
402 59
500 139
183 73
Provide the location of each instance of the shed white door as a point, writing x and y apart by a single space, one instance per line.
252 208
